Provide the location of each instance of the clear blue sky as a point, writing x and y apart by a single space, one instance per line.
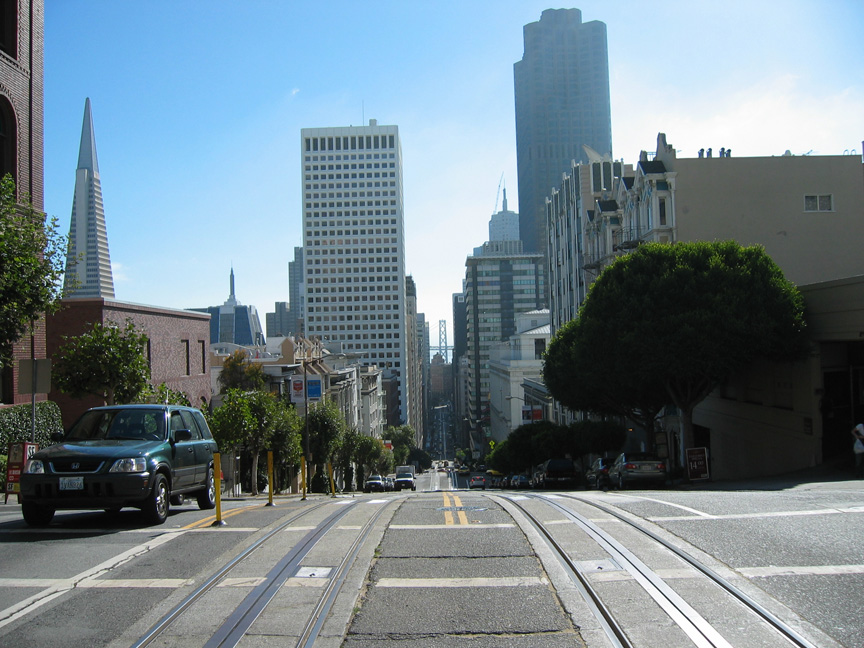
198 106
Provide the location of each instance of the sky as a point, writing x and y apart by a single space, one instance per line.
197 109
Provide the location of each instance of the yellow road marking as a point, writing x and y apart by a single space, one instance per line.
212 518
448 515
463 519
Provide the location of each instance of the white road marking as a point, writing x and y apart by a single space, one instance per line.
766 514
816 570
61 586
507 581
478 525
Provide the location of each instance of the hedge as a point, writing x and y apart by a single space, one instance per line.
15 424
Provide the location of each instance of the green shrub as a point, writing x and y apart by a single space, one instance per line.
15 424
15 428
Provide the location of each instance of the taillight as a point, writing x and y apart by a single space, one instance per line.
661 466
630 466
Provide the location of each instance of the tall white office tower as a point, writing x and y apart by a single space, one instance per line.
88 264
354 248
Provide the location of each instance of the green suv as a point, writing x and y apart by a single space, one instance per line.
143 456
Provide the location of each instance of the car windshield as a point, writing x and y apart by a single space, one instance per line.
120 424
374 478
404 475
640 456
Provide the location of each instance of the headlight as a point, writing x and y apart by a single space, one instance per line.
34 467
131 465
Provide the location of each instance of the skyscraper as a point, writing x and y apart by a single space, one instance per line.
562 103
354 246
88 265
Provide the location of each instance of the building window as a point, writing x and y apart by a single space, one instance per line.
8 140
818 203
185 344
9 29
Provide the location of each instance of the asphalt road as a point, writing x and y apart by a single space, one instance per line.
97 580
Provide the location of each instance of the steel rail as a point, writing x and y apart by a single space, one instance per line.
159 627
779 625
328 598
604 616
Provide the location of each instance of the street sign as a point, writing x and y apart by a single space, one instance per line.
25 376
18 455
697 463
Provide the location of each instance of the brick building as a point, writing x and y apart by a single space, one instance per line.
178 347
21 148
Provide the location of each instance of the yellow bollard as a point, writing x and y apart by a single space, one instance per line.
270 475
332 483
303 475
217 476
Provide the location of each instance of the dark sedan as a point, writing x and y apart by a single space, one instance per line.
632 468
125 455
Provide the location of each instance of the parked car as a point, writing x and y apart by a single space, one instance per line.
375 484
641 468
405 481
597 475
143 456
477 481
520 481
389 484
559 473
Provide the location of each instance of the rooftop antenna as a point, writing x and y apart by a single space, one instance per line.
498 194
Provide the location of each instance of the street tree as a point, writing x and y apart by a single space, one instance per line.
107 362
402 441
239 373
32 256
368 454
163 394
326 426
686 316
287 439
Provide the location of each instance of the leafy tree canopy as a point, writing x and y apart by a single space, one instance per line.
685 316
326 426
107 362
402 438
32 256
239 373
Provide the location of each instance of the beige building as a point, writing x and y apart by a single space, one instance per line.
808 213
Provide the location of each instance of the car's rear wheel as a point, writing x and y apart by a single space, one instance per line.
157 504
207 497
35 515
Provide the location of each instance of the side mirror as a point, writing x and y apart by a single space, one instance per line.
182 435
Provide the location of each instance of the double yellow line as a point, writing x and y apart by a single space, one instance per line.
208 521
448 515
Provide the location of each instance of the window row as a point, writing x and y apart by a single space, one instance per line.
350 142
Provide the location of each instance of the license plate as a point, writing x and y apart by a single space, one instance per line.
71 483
646 468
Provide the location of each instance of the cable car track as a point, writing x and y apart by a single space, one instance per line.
700 631
240 620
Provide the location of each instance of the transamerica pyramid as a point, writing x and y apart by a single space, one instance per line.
88 265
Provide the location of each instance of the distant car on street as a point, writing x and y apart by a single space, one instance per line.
631 468
143 456
477 481
520 481
375 484
597 475
558 473
405 481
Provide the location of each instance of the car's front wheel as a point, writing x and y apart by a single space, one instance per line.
35 515
156 506
207 497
